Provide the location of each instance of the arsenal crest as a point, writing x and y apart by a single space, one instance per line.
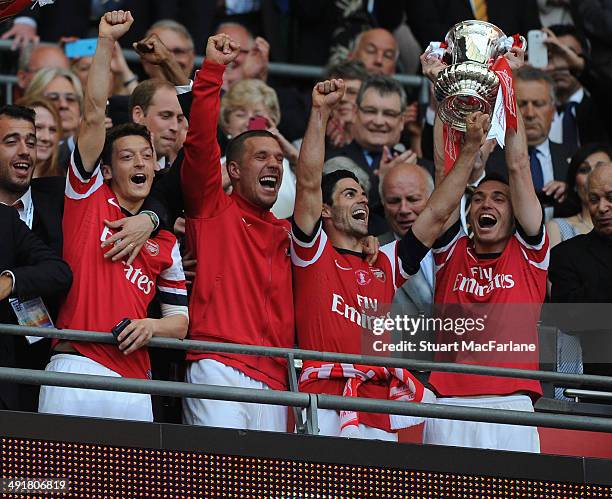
363 277
379 274
152 247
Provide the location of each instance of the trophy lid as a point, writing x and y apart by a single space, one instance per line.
474 40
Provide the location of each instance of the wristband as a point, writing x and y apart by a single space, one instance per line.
153 216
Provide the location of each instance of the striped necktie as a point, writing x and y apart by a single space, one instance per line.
480 10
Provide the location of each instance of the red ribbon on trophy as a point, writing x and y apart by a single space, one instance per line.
9 8
453 138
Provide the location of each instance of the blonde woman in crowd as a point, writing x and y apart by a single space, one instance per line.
48 135
64 90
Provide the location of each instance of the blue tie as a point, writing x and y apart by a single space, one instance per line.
570 129
536 169
372 158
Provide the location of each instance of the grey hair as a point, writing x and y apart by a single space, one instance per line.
429 182
384 85
172 25
357 41
25 56
529 73
344 163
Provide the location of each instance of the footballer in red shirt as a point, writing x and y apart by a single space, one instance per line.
338 295
499 277
105 291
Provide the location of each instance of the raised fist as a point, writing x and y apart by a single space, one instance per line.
477 128
152 50
222 49
327 94
115 24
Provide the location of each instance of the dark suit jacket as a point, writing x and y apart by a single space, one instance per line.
431 20
591 126
558 153
581 272
38 272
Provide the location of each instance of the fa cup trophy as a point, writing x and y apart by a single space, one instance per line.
468 84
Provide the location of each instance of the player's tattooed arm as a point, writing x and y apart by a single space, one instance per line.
309 171
92 132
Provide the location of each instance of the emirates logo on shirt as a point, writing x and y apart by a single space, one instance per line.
363 277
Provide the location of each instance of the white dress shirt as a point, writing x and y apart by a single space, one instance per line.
556 129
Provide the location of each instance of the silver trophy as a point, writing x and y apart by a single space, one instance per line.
468 84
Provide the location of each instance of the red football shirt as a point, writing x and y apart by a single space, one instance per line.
338 295
506 292
104 292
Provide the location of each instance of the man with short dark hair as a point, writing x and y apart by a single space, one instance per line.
499 278
154 104
29 269
96 192
242 292
339 296
377 128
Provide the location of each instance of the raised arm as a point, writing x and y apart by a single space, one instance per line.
201 169
92 133
445 199
309 170
525 204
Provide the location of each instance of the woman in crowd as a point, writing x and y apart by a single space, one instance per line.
575 210
48 134
63 88
251 104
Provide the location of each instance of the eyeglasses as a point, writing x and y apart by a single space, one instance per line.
69 97
370 112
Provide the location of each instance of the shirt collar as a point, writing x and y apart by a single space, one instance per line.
26 200
544 148
577 96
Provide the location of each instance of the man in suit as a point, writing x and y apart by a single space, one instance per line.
535 98
578 119
405 190
36 269
581 267
40 203
431 20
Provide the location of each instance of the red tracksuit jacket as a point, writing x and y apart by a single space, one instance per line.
242 292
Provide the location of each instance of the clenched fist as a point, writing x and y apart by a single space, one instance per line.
327 94
222 49
115 24
477 128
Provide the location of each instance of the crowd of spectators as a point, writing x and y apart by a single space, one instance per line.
253 199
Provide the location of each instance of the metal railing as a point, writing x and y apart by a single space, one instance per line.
310 402
279 69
